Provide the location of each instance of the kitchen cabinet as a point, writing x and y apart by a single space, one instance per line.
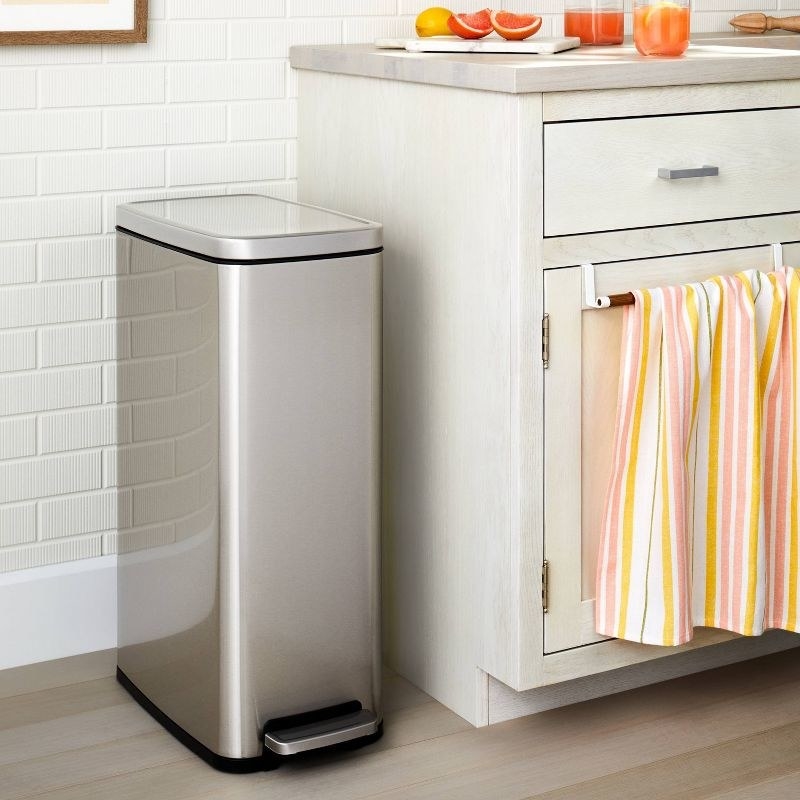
615 163
580 396
492 195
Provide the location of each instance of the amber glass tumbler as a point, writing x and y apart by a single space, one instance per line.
661 27
594 21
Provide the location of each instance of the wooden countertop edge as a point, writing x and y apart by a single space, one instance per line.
589 70
400 65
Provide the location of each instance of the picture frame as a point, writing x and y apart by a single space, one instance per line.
72 21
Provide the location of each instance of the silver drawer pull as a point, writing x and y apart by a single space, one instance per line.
698 172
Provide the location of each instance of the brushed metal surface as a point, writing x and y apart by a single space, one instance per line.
168 550
248 227
706 171
265 601
321 734
300 444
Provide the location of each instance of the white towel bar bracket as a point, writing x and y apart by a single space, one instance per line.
777 256
591 300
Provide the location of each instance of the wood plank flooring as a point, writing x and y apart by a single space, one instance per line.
727 734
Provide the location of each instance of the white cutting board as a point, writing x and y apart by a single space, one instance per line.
491 44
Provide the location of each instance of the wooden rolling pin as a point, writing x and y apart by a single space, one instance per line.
758 23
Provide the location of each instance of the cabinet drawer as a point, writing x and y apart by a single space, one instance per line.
602 175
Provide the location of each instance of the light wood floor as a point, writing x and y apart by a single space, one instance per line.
731 733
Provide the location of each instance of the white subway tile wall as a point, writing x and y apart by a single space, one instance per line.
205 106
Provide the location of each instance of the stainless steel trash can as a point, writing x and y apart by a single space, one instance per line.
247 390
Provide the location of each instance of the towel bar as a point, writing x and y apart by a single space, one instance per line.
591 300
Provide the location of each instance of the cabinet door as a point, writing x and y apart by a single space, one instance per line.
580 397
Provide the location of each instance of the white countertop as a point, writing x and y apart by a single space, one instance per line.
711 58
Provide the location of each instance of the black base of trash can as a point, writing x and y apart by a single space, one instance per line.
263 763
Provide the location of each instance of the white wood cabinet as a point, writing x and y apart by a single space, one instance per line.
602 174
578 431
491 201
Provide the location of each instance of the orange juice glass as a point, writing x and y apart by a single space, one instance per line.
598 23
661 27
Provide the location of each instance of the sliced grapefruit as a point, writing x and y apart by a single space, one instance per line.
471 26
514 26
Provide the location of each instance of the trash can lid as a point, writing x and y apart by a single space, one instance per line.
248 227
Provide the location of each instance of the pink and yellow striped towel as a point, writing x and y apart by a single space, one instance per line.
701 520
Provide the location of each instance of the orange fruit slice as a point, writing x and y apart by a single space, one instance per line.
471 26
664 30
658 11
515 27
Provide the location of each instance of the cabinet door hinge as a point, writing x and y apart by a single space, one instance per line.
545 586
546 341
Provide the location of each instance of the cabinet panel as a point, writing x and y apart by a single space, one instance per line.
580 397
603 175
791 256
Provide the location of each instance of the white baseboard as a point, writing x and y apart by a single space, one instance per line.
58 611
61 672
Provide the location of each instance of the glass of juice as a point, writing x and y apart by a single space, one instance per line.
661 27
594 21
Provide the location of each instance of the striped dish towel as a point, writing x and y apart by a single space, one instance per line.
701 519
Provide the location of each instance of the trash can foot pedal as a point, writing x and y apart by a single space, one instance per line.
309 731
